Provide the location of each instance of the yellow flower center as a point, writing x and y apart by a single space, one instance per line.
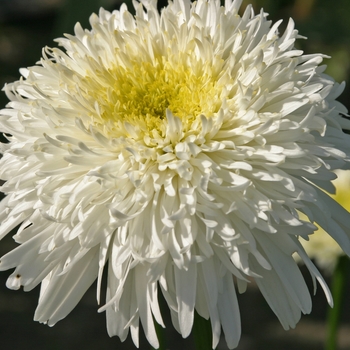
141 93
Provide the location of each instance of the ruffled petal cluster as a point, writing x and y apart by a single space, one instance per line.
177 150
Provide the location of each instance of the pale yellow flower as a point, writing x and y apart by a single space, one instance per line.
321 246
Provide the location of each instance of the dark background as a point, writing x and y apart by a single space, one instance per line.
28 25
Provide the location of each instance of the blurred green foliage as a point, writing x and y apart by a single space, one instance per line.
73 11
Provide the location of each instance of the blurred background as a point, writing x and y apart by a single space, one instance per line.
26 26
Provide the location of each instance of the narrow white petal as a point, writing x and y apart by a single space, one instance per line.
186 285
65 291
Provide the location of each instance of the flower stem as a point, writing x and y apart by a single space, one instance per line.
338 287
202 333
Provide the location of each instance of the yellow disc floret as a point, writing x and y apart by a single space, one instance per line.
141 93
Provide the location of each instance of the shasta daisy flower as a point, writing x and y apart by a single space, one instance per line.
177 151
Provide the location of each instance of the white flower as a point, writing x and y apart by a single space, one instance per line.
320 246
177 150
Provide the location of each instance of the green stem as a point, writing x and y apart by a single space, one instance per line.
202 333
338 287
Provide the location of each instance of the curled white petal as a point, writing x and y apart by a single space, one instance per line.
185 150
